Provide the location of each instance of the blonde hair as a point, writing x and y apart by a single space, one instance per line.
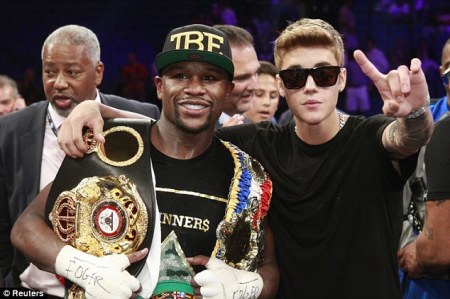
306 33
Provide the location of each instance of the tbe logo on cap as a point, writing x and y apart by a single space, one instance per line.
197 40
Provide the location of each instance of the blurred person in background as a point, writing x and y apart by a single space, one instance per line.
442 105
246 64
8 95
266 96
20 103
376 55
357 100
29 87
134 78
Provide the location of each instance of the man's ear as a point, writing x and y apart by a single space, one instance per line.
230 90
158 84
280 86
342 79
99 70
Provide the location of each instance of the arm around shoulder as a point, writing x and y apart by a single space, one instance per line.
88 114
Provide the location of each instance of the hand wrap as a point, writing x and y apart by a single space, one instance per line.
100 277
221 281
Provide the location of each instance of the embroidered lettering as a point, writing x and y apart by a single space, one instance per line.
188 222
185 221
197 223
178 220
165 218
203 40
206 225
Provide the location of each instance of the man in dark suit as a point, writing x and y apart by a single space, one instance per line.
29 153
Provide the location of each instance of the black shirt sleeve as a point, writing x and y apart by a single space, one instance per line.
437 162
242 136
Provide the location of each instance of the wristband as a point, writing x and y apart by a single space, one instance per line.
420 111
100 277
221 281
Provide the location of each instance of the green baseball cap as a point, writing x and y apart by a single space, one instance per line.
196 42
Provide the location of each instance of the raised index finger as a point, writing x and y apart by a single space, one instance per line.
367 67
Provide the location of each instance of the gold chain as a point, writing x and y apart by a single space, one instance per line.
341 122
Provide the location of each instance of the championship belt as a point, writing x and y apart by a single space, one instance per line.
240 235
104 203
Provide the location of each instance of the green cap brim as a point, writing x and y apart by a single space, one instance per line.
169 57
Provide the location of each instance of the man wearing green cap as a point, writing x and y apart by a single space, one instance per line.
212 196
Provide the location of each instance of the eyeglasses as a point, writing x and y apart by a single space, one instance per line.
446 77
324 76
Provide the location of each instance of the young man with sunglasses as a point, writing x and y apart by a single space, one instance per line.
337 207
336 211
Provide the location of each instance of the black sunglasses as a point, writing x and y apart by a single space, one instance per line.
324 76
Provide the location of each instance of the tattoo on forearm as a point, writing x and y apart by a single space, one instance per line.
410 135
393 133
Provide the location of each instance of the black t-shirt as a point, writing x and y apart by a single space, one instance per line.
437 161
336 209
192 196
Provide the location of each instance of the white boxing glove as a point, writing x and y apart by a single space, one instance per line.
221 281
100 277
